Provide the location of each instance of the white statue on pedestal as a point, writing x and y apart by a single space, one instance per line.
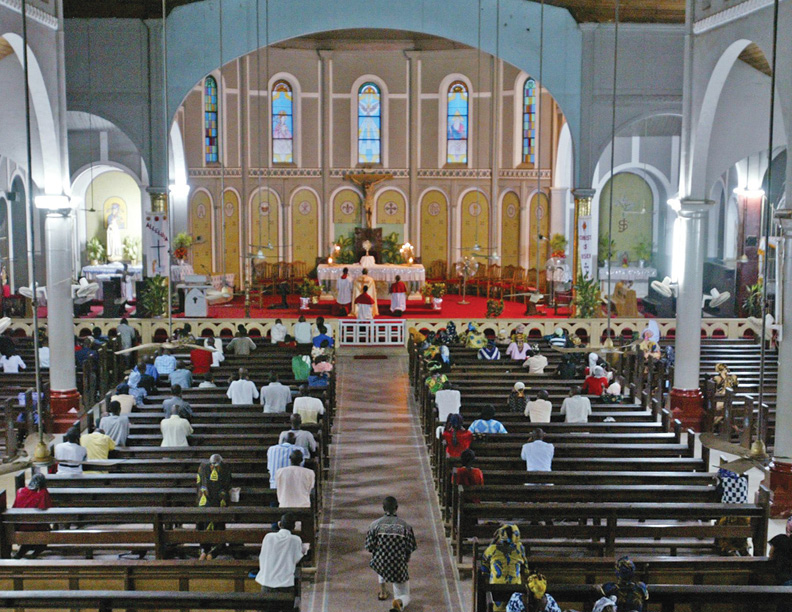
114 246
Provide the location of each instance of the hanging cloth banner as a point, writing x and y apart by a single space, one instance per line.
585 246
156 247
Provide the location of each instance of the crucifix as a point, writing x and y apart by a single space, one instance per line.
367 182
157 247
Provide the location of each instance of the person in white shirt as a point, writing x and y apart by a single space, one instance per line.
576 408
538 454
44 357
208 381
540 409
302 331
275 396
295 483
281 551
308 407
536 362
11 363
344 297
448 401
70 455
175 430
278 332
216 346
242 390
304 439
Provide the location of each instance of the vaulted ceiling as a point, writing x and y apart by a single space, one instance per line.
600 11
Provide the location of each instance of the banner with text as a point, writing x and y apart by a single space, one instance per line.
156 248
585 246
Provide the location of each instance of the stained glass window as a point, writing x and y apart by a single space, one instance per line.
369 124
529 122
457 139
210 121
282 123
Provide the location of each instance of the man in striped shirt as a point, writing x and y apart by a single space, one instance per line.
278 456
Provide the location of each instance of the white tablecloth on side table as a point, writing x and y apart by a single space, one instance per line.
639 277
413 275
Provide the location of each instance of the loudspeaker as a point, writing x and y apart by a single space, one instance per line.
113 305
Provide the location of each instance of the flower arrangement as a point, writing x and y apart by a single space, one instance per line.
558 245
309 288
180 253
182 240
438 290
95 250
426 290
494 308
131 248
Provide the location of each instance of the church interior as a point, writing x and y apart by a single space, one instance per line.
223 221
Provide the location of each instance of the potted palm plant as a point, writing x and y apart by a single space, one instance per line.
643 251
154 301
587 297
131 249
95 251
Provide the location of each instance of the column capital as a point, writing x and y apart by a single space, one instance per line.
413 54
583 193
690 208
325 54
784 218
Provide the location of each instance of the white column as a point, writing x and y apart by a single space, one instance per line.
525 233
783 428
688 320
496 142
413 111
558 198
58 229
326 110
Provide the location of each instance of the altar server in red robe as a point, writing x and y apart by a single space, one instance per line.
364 304
398 291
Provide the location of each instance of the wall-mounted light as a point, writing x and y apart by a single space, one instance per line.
180 191
55 202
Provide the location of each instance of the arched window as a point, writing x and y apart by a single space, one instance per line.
529 122
457 139
282 123
211 147
369 124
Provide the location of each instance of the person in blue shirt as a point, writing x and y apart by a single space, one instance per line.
486 423
85 351
317 340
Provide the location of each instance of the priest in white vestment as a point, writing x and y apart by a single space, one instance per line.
364 305
398 291
364 280
344 297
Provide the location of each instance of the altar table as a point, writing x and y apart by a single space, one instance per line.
413 275
638 276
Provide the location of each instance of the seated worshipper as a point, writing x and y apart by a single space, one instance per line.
208 381
281 551
649 341
364 280
323 350
486 423
97 444
295 483
322 337
605 604
243 390
518 350
302 331
201 360
558 338
164 362
34 495
535 599
85 352
43 352
216 344
537 454
181 376
175 429
176 401
213 490
613 394
536 362
504 561
474 338
241 344
781 557
454 436
576 408
69 454
320 322
567 369
398 291
467 475
114 424
596 382
631 596
540 409
126 333
278 456
593 361
517 399
489 352
11 362
304 439
308 407
144 368
435 382
288 342
364 305
344 294
275 396
448 401
278 332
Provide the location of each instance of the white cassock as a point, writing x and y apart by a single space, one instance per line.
398 293
364 307
360 281
344 297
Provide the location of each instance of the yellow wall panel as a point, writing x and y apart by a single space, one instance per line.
434 227
230 246
510 229
540 216
265 224
201 231
475 224
305 227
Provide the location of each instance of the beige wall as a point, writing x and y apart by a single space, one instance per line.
105 189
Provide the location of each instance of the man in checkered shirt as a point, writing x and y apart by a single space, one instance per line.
391 541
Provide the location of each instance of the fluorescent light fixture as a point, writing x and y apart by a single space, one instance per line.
55 202
675 204
749 193
179 190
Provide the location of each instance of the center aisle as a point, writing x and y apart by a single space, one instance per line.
378 451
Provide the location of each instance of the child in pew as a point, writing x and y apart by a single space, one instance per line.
34 495
535 598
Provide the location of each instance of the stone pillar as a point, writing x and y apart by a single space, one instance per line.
525 232
496 141
413 112
781 467
686 399
557 209
326 122
583 198
58 229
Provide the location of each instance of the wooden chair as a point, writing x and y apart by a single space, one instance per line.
493 280
264 279
299 270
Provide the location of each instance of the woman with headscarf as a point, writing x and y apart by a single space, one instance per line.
213 490
517 399
451 332
631 596
518 350
781 556
535 598
475 339
34 495
596 382
504 560
455 437
489 352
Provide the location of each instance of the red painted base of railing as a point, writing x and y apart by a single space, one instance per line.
687 405
781 486
65 406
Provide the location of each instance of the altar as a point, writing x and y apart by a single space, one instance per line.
413 275
639 277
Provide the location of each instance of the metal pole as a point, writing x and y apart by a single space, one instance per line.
169 208
612 165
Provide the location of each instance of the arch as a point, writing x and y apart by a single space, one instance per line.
347 211
633 212
442 114
231 234
474 217
564 166
53 179
264 208
434 225
539 223
510 228
211 112
201 226
305 219
369 106
390 211
296 116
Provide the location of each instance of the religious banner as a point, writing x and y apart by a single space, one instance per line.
156 247
585 246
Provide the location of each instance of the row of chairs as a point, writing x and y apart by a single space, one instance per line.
490 280
267 276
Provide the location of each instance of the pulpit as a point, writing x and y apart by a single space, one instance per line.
195 288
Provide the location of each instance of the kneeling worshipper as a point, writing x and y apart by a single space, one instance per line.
365 305
34 495
344 297
535 598
398 291
362 281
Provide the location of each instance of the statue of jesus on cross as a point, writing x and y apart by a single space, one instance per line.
367 182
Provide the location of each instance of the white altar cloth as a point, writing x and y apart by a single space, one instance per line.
637 275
